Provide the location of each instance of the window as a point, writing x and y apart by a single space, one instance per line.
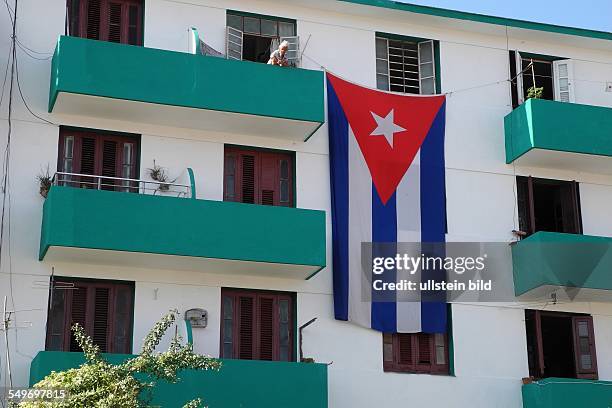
104 309
107 20
553 75
258 177
560 345
548 205
251 37
98 154
406 66
416 353
257 325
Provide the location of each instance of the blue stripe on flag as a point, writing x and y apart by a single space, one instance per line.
384 230
338 160
433 220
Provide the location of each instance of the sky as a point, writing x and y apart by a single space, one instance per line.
591 14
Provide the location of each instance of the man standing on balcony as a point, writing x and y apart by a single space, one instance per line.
279 57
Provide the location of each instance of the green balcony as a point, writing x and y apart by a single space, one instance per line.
567 393
546 261
146 85
239 383
149 231
542 133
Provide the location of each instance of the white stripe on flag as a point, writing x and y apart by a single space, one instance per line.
360 230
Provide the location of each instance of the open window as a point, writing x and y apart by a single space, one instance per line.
118 21
416 353
560 345
548 205
258 176
405 65
257 325
104 309
540 76
252 37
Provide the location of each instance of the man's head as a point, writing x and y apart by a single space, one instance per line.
283 47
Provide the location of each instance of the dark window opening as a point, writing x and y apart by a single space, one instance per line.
416 353
548 205
254 38
542 73
560 345
111 155
258 176
104 309
257 325
118 21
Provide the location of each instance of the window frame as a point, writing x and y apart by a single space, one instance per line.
414 367
69 285
256 295
100 136
527 182
78 28
536 362
418 43
236 152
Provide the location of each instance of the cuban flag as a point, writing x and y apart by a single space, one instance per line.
388 186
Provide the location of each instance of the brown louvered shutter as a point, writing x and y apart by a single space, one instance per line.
266 308
258 177
109 163
246 327
115 23
93 19
269 179
415 353
104 310
405 350
424 346
256 325
248 179
78 313
584 347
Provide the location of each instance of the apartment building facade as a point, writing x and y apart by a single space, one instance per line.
188 174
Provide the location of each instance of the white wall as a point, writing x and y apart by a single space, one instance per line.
489 341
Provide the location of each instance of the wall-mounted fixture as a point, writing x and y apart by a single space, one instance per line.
197 317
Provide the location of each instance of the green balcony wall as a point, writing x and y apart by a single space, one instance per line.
119 71
558 126
108 220
567 393
239 383
558 259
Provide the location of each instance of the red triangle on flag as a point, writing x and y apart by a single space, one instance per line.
389 128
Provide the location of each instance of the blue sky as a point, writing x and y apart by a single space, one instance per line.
591 14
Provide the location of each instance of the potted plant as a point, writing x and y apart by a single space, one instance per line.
44 180
159 174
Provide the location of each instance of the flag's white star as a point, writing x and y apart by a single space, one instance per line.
386 127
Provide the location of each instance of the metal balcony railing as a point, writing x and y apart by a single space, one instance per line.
90 181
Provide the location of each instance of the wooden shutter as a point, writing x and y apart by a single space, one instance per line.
253 327
93 19
104 309
246 327
233 43
115 22
258 177
107 20
518 61
570 214
584 347
416 353
563 80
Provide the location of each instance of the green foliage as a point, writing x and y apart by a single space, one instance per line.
535 93
100 384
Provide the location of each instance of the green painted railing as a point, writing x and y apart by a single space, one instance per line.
119 71
558 126
108 220
239 383
557 259
567 393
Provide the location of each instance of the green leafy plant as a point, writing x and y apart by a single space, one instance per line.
159 174
100 384
535 93
44 180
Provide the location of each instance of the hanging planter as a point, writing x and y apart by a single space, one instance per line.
44 180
